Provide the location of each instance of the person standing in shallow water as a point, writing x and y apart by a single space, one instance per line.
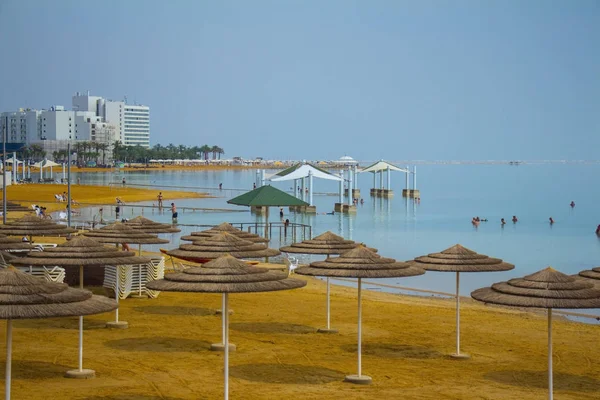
160 199
174 213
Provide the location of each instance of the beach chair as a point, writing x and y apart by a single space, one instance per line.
124 274
54 274
291 263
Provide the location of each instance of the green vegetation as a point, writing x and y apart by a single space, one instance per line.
171 152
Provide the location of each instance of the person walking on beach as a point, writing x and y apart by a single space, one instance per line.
174 213
160 199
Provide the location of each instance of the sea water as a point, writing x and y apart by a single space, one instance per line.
451 195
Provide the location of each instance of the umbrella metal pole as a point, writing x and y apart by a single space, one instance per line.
140 271
328 307
80 343
226 344
359 327
550 383
117 295
457 314
223 319
7 373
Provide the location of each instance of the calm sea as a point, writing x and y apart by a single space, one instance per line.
450 196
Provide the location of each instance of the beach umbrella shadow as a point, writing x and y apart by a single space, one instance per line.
175 310
539 380
286 373
272 327
131 397
25 369
392 350
159 344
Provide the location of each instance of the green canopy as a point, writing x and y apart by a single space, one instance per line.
267 196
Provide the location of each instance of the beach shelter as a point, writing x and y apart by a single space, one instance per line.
146 225
226 275
28 297
304 171
360 263
547 289
266 196
460 259
31 226
119 232
221 244
45 164
81 252
381 167
8 244
11 206
327 243
225 227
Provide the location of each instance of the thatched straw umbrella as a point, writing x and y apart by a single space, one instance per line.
82 252
226 275
219 245
460 259
327 243
24 296
119 232
146 225
593 273
225 227
8 243
547 289
30 225
360 262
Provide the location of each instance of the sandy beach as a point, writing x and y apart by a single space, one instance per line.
165 352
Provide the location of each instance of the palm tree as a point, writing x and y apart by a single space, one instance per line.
205 150
103 147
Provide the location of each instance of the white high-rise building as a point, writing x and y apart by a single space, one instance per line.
132 122
23 125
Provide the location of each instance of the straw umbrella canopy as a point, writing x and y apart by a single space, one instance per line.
148 226
593 273
24 296
460 259
118 232
12 206
30 225
82 252
225 227
8 243
360 263
219 245
548 289
327 243
226 275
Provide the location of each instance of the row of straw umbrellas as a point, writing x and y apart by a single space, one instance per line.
224 245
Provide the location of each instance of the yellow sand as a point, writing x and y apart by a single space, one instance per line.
44 194
164 354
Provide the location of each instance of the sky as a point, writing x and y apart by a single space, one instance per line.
319 79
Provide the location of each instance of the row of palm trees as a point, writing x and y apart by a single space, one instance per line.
94 151
169 152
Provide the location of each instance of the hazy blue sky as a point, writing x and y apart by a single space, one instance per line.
320 78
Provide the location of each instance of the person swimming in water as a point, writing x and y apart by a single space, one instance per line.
514 219
502 221
598 230
551 220
572 204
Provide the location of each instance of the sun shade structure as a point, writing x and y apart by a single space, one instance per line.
45 164
266 196
24 296
300 171
360 262
82 252
8 243
30 225
327 243
460 259
548 289
219 245
118 232
226 275
146 225
10 206
593 273
382 166
225 227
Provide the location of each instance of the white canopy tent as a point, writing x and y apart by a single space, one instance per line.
381 166
303 172
45 164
